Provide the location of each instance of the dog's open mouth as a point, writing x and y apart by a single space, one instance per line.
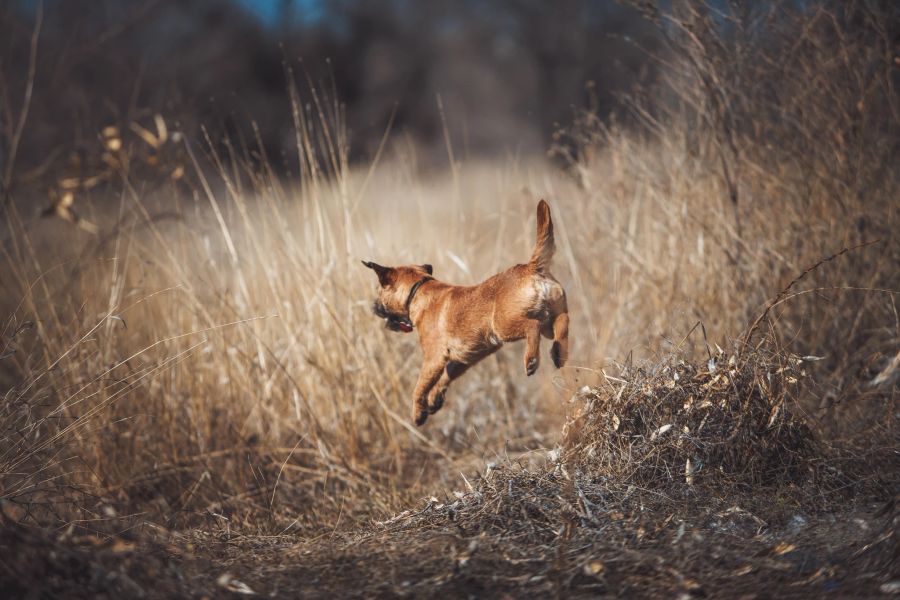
393 321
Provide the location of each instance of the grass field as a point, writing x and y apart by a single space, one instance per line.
196 396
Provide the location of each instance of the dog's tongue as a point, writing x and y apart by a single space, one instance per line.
404 327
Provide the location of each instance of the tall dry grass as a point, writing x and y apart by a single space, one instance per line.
209 356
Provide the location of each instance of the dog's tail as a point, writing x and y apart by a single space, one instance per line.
544 246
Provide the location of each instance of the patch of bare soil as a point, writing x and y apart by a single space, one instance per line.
513 543
525 536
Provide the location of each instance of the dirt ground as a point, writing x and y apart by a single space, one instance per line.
528 540
730 553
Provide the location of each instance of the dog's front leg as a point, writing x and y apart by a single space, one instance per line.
532 346
453 370
432 368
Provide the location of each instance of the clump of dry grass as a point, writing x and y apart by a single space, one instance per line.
677 425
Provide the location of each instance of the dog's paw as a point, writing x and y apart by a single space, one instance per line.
436 403
419 417
556 354
531 365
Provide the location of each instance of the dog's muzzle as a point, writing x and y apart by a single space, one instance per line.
393 321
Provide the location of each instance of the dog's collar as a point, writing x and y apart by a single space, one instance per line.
412 294
402 322
406 320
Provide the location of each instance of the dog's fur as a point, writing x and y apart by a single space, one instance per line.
459 326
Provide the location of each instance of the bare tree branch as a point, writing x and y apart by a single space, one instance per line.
26 103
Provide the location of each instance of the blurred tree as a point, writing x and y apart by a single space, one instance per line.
507 71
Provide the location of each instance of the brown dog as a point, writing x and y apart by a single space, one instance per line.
459 326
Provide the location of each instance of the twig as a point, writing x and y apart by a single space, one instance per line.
777 299
26 103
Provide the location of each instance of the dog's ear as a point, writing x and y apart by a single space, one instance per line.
427 268
384 273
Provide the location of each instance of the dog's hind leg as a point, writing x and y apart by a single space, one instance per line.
428 377
559 351
532 346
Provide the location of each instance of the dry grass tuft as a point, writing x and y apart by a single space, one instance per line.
723 423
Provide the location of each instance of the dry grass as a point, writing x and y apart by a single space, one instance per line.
207 361
725 424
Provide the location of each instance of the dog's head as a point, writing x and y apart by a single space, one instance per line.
395 285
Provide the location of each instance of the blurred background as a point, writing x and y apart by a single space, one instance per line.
497 77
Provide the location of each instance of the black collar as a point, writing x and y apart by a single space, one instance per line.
402 322
412 294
